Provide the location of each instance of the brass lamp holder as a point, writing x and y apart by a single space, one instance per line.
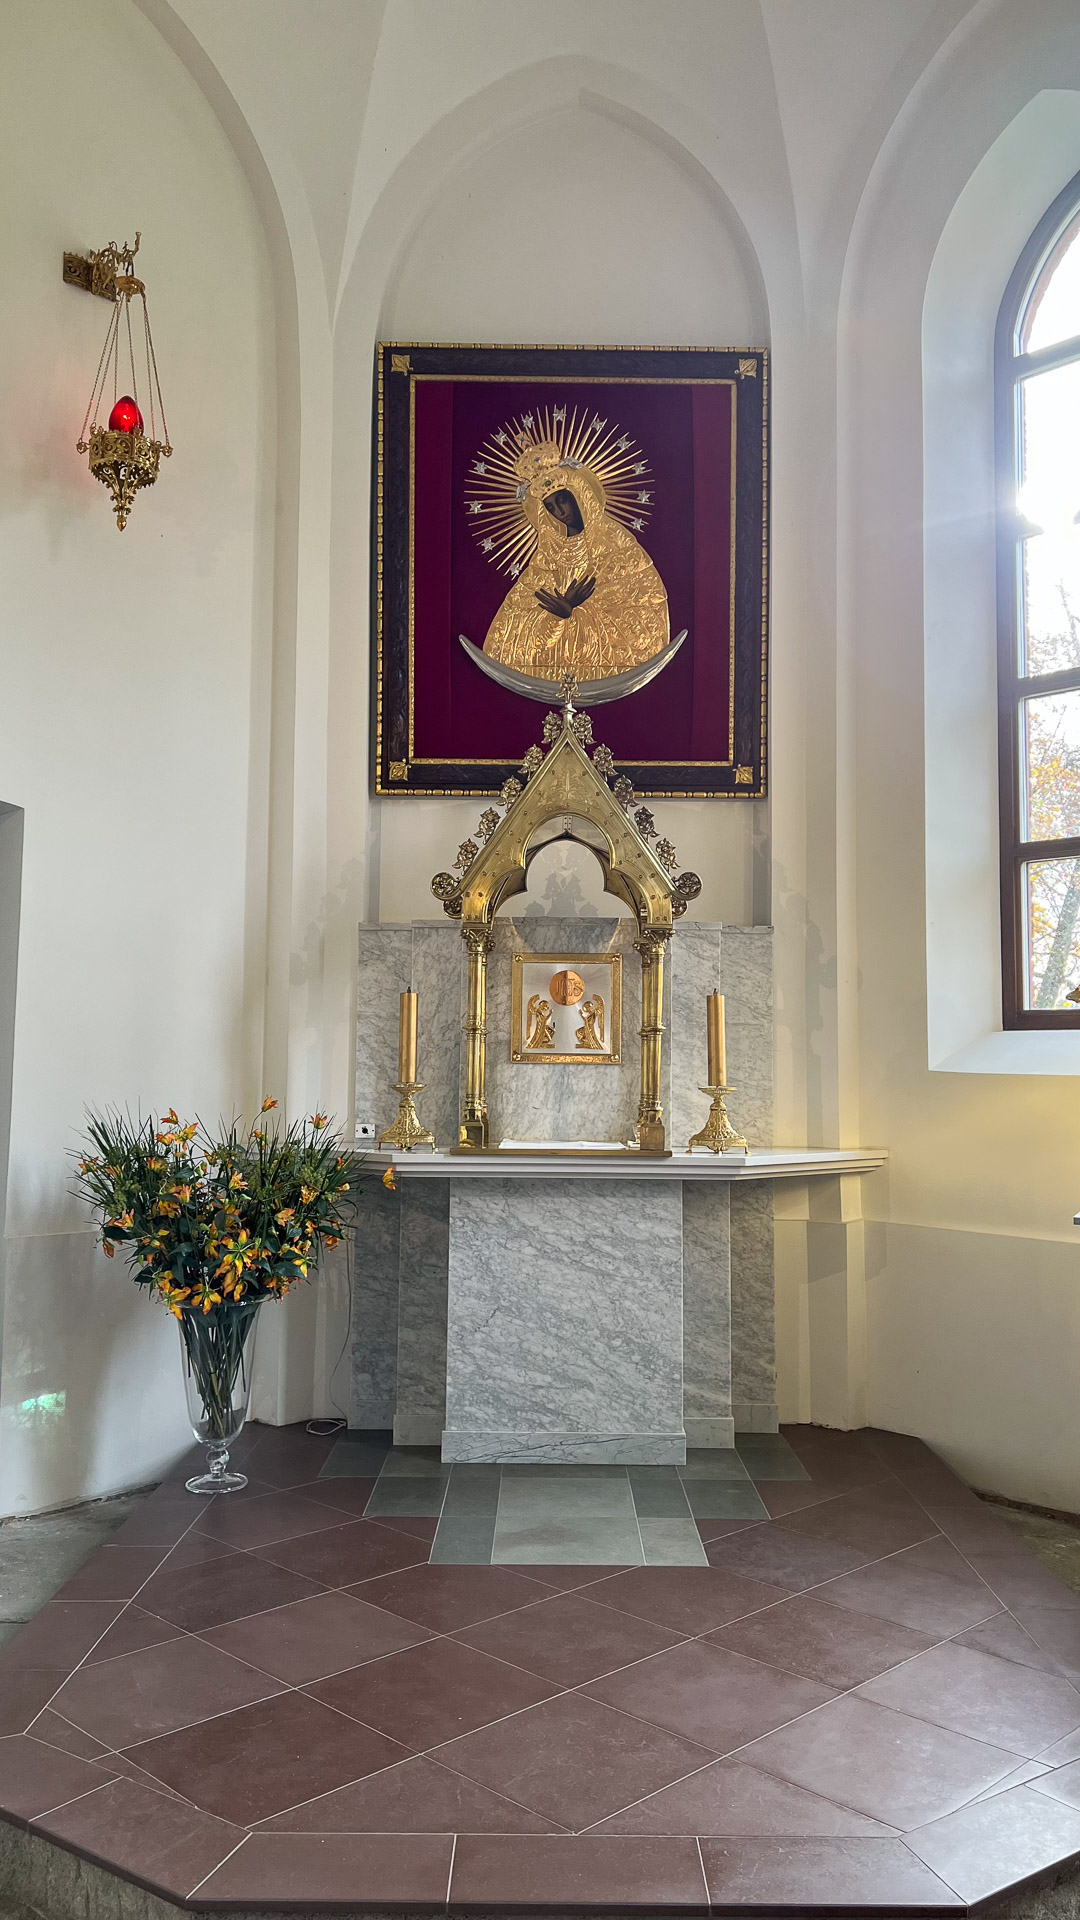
407 1132
718 1135
123 458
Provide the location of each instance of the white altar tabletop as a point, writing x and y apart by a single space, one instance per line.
762 1163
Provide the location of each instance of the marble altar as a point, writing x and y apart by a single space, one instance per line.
554 1315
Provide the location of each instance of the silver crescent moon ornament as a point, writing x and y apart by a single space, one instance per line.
588 693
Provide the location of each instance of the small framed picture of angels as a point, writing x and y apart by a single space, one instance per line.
566 1009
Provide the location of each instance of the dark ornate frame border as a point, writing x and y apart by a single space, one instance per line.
744 778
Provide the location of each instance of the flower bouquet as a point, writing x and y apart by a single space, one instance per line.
213 1226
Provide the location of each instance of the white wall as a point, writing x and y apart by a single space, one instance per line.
706 171
132 711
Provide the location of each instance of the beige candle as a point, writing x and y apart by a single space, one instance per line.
407 1038
717 1041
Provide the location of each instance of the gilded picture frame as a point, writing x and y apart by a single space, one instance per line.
695 422
566 1009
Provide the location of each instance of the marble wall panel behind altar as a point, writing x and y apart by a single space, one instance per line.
427 956
737 961
753 1308
707 1315
420 1415
540 1102
564 1324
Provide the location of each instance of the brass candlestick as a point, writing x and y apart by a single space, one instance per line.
718 1135
407 1131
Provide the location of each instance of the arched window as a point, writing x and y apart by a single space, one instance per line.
1038 441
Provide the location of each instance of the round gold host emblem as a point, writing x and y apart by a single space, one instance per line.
566 987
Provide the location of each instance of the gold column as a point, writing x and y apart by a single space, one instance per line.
650 1128
473 1130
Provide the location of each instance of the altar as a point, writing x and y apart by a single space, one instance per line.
576 1262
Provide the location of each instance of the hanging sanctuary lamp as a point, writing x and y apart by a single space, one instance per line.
122 455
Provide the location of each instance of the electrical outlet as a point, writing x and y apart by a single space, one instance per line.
365 1132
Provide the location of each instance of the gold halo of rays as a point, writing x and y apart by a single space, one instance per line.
493 508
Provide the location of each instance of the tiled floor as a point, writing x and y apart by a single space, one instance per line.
566 1515
865 1698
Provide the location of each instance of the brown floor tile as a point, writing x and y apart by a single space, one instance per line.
1003 1635
1062 1782
24 1691
734 1800
35 1777
121 1763
784 1559
339 1492
143 1694
979 1529
349 1870
432 1693
718 1699
58 1732
261 1522
194 1550
112 1573
565 1578
153 1838
899 1449
573 1760
930 1588
1057 1633
569 1639
791 1496
710 1530
314 1638
823 1874
1020 1776
829 1644
982 1696
415 1528
1062 1751
874 1520
686 1599
416 1797
247 1765
286 1456
159 1523
207 1596
880 1762
1021 1583
983 1850
584 1872
936 1487
60 1635
341 1556
133 1630
445 1598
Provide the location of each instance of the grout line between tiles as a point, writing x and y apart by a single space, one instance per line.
704 1875
244 1838
450 1874
47 1812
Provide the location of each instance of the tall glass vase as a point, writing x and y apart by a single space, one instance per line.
217 1349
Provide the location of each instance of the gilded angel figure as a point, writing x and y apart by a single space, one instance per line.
590 1034
539 1024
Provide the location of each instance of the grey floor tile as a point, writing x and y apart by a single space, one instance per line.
712 1463
540 1502
463 1541
596 1543
551 1470
419 1498
721 1500
473 1492
672 1543
658 1499
353 1460
415 1463
772 1466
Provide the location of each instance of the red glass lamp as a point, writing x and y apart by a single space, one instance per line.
122 456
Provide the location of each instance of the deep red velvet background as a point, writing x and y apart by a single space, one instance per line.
685 432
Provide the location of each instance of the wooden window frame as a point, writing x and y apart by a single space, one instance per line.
1010 368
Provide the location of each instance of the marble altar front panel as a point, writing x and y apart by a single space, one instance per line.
564 1321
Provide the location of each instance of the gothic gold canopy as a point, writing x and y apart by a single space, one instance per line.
562 782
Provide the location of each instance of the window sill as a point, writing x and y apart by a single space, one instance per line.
1031 1050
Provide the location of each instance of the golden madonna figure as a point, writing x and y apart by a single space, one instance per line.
590 601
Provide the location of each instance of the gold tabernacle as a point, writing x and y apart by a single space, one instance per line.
566 1009
559 782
